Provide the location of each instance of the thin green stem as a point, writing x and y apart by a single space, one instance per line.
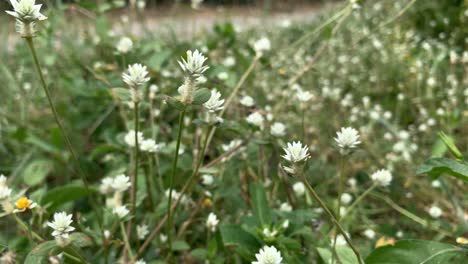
149 182
171 180
136 154
359 199
127 243
338 207
331 216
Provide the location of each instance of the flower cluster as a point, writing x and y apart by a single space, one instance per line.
27 13
62 227
193 68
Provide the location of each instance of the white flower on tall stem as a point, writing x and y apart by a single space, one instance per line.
130 138
193 65
124 45
149 145
299 188
215 103
106 185
121 183
268 255
212 222
346 198
136 75
296 152
382 177
27 13
304 96
142 231
262 45
255 119
121 211
278 129
347 139
61 225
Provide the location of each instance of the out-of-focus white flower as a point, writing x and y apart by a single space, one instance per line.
121 211
141 4
435 211
61 224
176 195
163 238
136 75
223 76
299 188
382 177
285 207
8 257
106 185
262 45
340 240
247 101
229 61
27 13
124 45
3 180
207 179
212 222
196 4
140 261
369 233
121 183
346 198
347 139
194 63
295 152
5 192
304 96
130 138
214 103
255 119
436 184
268 255
149 145
142 231
278 129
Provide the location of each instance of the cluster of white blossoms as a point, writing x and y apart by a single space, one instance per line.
142 231
5 193
136 75
382 177
121 211
124 45
193 67
255 119
147 145
62 227
27 13
262 45
347 139
214 104
212 222
295 153
268 255
118 186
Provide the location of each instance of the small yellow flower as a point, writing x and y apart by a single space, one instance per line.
207 202
23 204
384 241
462 241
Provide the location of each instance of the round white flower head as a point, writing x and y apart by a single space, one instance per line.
278 129
262 45
194 63
382 177
369 233
121 183
346 198
140 261
268 255
136 75
149 145
207 179
347 139
124 45
247 101
61 224
130 138
435 211
295 152
212 222
304 96
214 103
285 207
142 231
229 61
3 180
121 211
340 240
255 119
299 188
106 185
26 11
4 192
195 4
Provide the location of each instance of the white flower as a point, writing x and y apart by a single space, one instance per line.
212 222
163 238
285 207
26 11
346 198
304 96
136 75
369 233
130 138
142 231
382 177
435 211
340 240
196 4
268 255
229 61
299 188
121 183
278 129
61 224
124 45
262 45
194 63
4 192
214 103
247 101
106 185
232 145
3 180
255 119
295 152
347 138
223 76
207 179
149 145
121 211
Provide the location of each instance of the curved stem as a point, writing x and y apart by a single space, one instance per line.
359 199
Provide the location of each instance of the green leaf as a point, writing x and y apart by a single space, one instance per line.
436 166
40 252
158 59
36 171
199 253
261 210
180 245
81 240
201 96
123 94
234 235
63 194
345 254
174 103
450 143
417 252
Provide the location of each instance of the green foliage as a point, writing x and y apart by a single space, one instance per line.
261 210
435 167
41 252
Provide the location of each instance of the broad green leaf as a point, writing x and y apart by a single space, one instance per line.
201 96
180 245
345 254
245 243
436 166
261 210
63 194
450 144
158 59
36 171
418 252
199 253
39 254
